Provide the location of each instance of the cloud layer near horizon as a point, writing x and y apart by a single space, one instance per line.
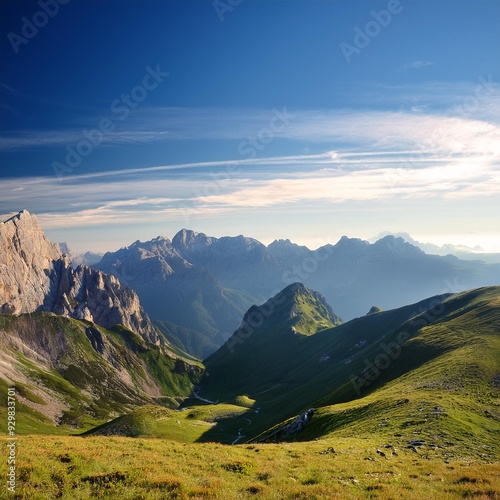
349 157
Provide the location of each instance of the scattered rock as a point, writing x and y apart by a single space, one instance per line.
290 429
417 442
105 479
328 451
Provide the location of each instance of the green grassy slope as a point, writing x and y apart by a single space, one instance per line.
268 346
66 467
187 425
75 375
441 353
186 339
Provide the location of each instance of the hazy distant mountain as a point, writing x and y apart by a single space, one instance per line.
204 284
87 258
191 305
391 273
237 262
460 251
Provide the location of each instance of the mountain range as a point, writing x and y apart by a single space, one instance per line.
460 251
198 287
84 355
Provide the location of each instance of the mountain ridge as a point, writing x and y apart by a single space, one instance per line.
77 342
366 363
36 276
352 274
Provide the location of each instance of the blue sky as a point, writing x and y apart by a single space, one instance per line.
308 120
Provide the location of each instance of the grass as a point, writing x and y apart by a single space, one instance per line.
449 358
426 426
116 467
190 425
91 385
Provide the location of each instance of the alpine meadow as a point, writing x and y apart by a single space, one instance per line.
250 249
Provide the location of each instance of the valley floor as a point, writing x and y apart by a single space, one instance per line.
71 467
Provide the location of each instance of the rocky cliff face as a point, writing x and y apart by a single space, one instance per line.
27 264
35 276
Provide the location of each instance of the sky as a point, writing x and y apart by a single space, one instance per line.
299 119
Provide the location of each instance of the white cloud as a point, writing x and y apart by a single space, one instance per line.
416 65
365 156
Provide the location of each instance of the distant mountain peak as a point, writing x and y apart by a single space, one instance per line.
281 241
159 239
186 238
345 240
396 244
284 243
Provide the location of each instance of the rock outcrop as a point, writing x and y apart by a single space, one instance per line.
284 432
28 262
36 276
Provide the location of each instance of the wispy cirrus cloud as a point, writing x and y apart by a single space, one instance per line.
416 65
358 128
332 177
359 156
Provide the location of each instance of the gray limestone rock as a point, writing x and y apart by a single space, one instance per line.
36 276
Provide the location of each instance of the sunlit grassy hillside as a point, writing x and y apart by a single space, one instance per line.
343 468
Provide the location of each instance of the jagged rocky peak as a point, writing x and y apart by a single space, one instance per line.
397 245
144 263
35 276
283 244
27 260
186 239
33 239
351 243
